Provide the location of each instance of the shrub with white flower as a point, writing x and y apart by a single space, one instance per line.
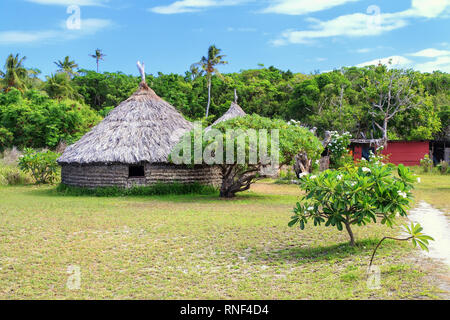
338 148
301 175
354 196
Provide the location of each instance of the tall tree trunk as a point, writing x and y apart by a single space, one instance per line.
350 233
302 164
209 96
385 129
97 65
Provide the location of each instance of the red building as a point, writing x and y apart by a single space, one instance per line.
408 153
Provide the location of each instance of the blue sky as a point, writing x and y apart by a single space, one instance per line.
169 35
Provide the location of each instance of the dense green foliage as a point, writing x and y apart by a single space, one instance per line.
12 175
251 149
42 166
426 163
338 149
341 100
355 196
35 120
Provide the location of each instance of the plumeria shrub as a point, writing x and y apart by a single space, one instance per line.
339 154
42 166
426 163
357 195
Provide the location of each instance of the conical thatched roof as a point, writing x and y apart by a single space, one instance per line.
143 128
233 112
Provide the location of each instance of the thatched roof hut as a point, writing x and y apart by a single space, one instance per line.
140 129
131 146
233 112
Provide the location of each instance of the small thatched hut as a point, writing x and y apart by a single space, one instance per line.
233 112
131 146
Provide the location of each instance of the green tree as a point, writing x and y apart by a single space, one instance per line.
389 92
104 90
37 121
98 55
41 165
243 137
15 75
208 65
6 139
67 66
355 196
195 72
59 86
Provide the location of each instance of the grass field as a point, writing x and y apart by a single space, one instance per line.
196 247
434 189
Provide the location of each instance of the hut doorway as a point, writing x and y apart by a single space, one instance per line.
136 172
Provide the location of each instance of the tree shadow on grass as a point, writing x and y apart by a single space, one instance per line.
319 253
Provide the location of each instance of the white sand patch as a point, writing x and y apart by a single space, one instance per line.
436 225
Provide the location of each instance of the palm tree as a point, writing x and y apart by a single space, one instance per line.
59 86
15 73
195 72
98 56
67 66
208 65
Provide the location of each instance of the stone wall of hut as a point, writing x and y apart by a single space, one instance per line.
92 176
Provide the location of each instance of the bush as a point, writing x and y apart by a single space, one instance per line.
36 121
339 154
426 163
10 176
286 176
157 189
356 195
443 167
41 165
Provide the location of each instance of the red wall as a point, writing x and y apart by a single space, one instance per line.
408 153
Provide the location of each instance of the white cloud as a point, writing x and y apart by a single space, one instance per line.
298 7
393 61
352 25
184 6
437 60
373 23
70 2
429 8
430 53
88 27
14 36
440 63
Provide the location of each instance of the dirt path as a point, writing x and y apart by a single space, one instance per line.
435 224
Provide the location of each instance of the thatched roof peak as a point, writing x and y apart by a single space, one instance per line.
233 112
